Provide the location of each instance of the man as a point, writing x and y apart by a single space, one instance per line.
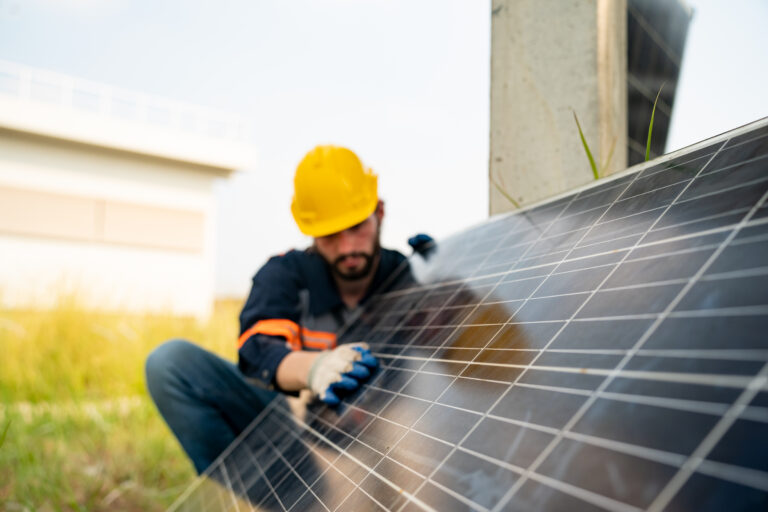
297 301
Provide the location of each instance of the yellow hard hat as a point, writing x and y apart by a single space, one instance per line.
332 191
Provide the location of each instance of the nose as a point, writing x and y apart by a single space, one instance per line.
345 242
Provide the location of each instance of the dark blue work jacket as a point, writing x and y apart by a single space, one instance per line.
294 305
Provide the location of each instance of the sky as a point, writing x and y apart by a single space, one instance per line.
724 74
404 83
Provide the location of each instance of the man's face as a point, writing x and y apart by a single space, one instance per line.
351 253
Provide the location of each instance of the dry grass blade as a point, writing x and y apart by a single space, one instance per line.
604 167
504 193
5 433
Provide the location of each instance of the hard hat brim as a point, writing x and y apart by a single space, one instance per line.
338 224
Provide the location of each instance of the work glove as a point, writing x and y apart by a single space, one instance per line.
340 371
421 243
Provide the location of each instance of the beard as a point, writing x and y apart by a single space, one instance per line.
355 275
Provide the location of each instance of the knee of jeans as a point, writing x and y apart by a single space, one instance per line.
161 361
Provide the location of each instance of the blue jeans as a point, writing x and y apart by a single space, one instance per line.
203 398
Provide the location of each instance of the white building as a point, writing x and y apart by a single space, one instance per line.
108 193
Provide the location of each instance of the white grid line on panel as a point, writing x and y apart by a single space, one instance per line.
344 452
719 430
266 480
756 413
737 164
582 410
230 487
718 354
687 236
583 494
359 463
291 469
732 381
568 489
681 477
473 310
708 443
712 408
202 477
735 472
629 184
736 274
386 455
312 451
459 497
730 311
726 311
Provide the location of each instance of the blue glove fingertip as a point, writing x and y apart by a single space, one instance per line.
419 240
421 243
369 361
347 383
330 398
359 371
366 358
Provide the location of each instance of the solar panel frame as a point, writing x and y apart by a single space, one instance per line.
418 332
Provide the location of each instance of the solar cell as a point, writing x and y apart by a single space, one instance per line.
605 350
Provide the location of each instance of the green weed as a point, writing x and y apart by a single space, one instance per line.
596 172
592 163
650 125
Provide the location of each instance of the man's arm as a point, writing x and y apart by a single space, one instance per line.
271 346
265 345
293 372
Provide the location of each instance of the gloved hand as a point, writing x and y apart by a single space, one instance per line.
421 243
340 369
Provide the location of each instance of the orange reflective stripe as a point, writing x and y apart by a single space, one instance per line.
275 327
319 340
294 335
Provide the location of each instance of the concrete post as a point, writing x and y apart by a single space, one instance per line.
549 59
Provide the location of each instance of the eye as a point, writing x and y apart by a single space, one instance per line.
357 226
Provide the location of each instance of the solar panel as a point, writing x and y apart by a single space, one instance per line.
605 350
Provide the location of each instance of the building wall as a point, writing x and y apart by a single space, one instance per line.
549 60
108 193
122 230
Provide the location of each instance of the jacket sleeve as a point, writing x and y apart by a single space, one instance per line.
272 308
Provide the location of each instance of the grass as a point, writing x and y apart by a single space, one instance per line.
592 164
650 125
5 433
115 460
598 172
505 194
77 429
